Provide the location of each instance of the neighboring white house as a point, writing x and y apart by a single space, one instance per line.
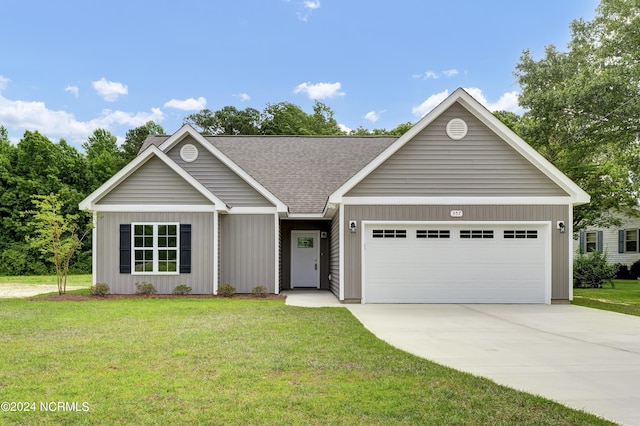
621 244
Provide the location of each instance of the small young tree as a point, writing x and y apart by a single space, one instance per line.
55 235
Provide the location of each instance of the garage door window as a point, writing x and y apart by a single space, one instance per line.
433 233
520 233
476 233
389 233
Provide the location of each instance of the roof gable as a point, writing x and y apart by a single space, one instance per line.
574 193
188 131
432 164
187 190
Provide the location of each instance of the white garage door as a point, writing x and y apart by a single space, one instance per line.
456 263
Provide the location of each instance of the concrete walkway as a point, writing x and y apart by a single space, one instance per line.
29 290
583 358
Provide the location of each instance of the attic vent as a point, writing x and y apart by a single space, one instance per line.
189 153
456 129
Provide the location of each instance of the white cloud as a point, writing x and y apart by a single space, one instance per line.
507 102
319 90
308 6
372 116
3 82
190 104
436 75
243 97
109 90
22 115
430 103
72 89
344 128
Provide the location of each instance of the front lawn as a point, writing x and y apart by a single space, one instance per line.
72 280
623 298
219 361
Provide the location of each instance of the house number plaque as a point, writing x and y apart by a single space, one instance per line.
456 213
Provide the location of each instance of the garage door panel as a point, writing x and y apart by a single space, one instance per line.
455 269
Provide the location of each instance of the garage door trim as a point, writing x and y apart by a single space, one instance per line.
546 226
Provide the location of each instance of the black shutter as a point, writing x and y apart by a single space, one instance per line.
621 241
185 248
583 247
125 248
599 242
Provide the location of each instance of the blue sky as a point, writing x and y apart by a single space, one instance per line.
69 67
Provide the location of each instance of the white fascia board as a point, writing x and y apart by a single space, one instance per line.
252 210
355 201
187 130
305 216
578 196
135 164
135 208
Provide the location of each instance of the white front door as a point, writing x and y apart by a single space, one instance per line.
305 259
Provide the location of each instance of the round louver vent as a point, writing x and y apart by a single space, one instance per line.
456 129
189 153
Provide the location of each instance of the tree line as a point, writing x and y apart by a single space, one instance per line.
582 112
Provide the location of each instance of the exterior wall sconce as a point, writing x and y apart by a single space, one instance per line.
561 226
353 226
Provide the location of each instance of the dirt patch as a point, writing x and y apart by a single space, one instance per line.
82 297
29 290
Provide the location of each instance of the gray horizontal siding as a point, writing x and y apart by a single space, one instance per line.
560 243
218 178
247 251
481 164
108 255
334 255
154 183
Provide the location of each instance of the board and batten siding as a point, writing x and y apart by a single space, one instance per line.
560 243
432 164
154 183
218 178
247 251
334 255
108 251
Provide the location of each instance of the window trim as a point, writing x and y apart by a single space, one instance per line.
155 249
587 242
627 241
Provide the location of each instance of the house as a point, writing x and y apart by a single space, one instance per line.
457 210
621 244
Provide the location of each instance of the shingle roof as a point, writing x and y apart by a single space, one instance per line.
302 171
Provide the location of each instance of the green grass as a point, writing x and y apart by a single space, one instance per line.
72 280
623 298
220 361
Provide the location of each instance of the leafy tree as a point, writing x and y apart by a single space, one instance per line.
135 137
103 156
56 235
583 109
226 121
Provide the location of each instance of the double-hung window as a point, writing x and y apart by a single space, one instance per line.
155 248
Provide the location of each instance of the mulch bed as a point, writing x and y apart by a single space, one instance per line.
82 297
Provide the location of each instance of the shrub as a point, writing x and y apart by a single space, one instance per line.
623 272
145 288
100 289
226 290
592 270
634 271
182 290
260 291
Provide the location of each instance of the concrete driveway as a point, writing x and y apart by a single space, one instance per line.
584 358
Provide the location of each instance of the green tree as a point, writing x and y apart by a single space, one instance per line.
56 236
135 137
103 156
583 109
